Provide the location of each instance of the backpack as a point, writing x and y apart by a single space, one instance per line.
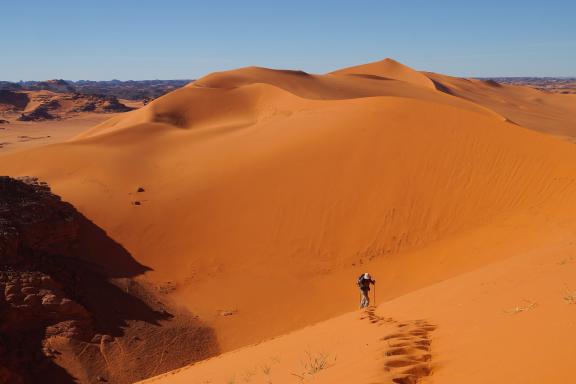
360 281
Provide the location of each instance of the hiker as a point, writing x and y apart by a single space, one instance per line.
364 282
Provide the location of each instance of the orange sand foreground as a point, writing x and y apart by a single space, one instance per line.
268 191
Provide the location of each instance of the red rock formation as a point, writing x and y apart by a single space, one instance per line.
59 310
33 221
34 224
46 105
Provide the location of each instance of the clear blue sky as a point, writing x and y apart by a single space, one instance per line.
169 39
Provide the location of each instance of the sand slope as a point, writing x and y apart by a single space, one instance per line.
480 327
266 192
389 69
528 107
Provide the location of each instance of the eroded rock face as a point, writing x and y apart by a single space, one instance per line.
31 298
11 101
55 105
67 318
33 221
34 225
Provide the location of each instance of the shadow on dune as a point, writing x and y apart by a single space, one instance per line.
442 87
96 275
109 303
102 253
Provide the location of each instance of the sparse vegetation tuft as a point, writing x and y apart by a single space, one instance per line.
523 308
566 260
314 363
266 370
570 297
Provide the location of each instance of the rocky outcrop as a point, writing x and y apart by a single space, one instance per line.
45 111
33 308
97 103
34 225
55 106
11 101
70 310
54 85
33 221
46 105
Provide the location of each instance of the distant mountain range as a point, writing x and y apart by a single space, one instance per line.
566 85
131 89
151 89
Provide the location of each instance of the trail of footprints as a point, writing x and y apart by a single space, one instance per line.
408 357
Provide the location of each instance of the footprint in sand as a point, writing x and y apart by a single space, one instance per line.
408 358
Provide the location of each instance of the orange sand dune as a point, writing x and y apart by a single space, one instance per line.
241 97
267 192
391 69
509 322
531 108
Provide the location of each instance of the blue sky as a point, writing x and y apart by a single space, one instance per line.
170 39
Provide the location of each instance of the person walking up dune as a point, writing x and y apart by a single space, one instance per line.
364 282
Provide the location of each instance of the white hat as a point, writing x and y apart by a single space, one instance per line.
367 276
